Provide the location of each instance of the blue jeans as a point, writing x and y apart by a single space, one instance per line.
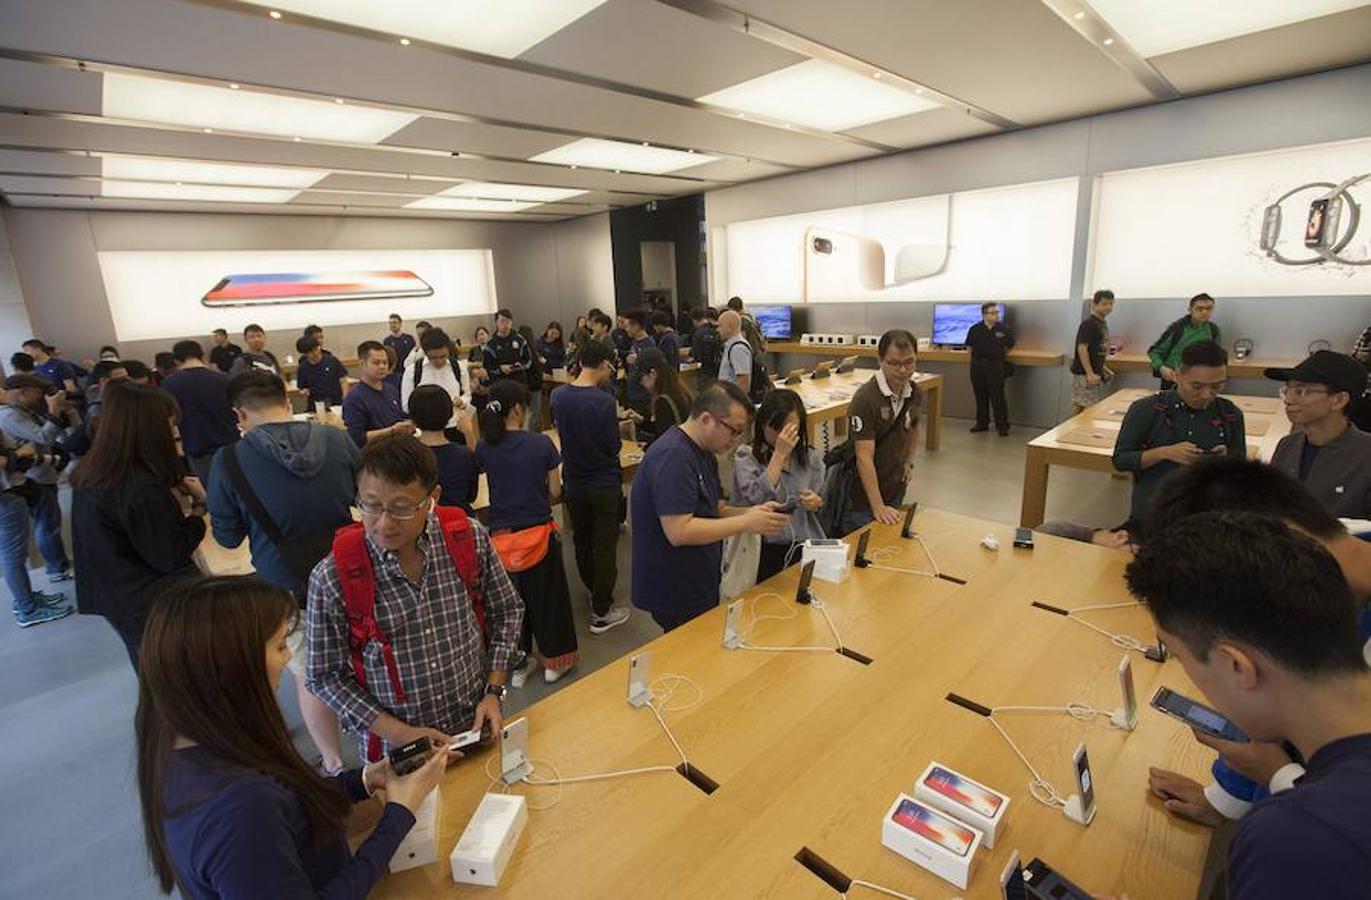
854 520
14 550
47 529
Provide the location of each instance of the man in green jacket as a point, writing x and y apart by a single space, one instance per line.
1165 354
1179 427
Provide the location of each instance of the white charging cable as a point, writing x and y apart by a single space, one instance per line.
880 889
1040 788
880 559
1122 641
753 619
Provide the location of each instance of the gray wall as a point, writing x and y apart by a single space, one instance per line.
543 271
1328 106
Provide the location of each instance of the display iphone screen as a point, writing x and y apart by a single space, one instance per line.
1197 714
284 287
967 793
1084 781
939 829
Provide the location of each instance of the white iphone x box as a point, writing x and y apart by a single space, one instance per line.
965 800
931 839
829 556
484 849
420 846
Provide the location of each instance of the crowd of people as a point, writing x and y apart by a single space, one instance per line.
401 615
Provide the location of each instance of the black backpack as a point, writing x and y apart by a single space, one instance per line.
707 349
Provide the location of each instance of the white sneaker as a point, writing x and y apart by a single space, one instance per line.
518 676
617 615
552 676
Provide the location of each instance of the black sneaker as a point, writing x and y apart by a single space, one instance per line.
977 429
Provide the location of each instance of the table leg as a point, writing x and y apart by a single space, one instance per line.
933 429
1034 488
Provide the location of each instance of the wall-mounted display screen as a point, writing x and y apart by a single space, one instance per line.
774 321
162 294
951 321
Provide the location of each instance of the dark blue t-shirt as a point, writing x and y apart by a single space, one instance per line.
402 344
1313 840
588 425
234 832
366 409
677 477
323 380
458 475
638 396
57 371
669 342
516 476
207 420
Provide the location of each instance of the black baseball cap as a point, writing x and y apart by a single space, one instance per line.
1337 370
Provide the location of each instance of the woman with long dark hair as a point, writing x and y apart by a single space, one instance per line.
135 517
523 476
552 348
670 398
781 466
230 809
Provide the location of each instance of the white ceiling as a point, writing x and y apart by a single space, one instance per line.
625 70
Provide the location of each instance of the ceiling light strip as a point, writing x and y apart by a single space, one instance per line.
727 16
68 62
1083 20
293 208
531 68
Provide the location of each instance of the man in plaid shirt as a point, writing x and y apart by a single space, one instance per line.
451 683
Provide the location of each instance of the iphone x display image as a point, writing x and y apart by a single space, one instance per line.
257 289
841 266
939 829
967 793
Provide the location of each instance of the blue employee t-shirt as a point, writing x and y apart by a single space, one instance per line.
366 408
1313 840
57 371
677 477
458 475
516 476
207 421
323 380
637 394
588 425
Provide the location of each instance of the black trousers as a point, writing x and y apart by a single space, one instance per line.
547 609
772 560
594 519
987 380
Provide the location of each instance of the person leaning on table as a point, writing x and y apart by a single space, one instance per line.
230 809
1179 427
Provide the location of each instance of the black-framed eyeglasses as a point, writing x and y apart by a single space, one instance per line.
398 511
736 432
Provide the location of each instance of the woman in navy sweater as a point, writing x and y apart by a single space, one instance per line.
230 809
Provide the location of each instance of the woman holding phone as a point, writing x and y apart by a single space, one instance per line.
230 809
781 466
670 398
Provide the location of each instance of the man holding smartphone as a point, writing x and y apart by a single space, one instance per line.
1180 427
1265 625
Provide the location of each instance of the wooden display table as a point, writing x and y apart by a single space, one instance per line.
1086 441
1016 356
809 749
1253 367
828 400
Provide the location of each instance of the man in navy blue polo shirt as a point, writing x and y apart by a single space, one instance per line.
1265 624
372 408
641 339
320 375
679 519
59 372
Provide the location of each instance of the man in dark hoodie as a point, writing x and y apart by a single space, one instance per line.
290 485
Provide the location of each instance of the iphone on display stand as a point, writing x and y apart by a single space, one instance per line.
860 560
639 677
514 764
907 530
733 632
1080 806
839 266
1127 715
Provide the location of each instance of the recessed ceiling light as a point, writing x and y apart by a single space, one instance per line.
496 27
1079 15
596 153
404 42
468 204
274 14
492 191
233 86
1108 41
918 90
296 138
208 130
153 168
212 107
819 95
338 100
1165 26
876 75
153 190
646 144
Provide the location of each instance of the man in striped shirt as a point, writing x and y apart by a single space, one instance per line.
451 678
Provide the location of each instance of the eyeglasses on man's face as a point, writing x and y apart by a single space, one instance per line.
1301 391
400 511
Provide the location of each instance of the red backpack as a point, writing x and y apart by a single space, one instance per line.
358 581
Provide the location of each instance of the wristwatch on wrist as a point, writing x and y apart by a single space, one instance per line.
497 691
